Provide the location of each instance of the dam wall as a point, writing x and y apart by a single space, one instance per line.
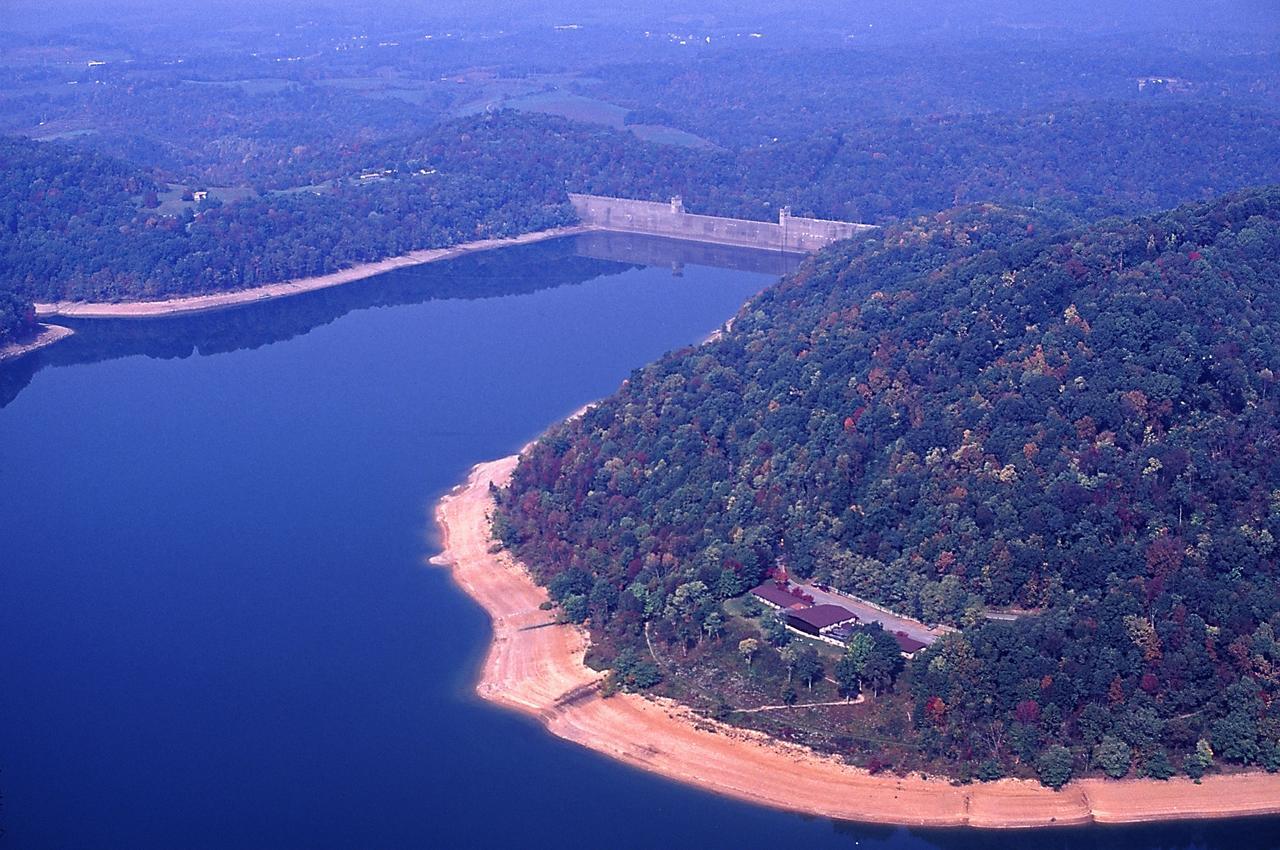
790 234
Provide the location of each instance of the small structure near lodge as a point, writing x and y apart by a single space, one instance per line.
908 645
778 595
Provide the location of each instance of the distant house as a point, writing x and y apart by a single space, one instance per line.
199 196
777 595
819 620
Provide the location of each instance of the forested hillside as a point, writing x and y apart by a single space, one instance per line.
85 227
959 413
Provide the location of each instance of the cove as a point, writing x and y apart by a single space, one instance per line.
218 628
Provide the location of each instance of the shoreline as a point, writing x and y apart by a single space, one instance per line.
49 334
188 304
540 672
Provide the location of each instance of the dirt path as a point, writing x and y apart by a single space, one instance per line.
540 671
798 705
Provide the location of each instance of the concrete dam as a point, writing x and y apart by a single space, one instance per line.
792 234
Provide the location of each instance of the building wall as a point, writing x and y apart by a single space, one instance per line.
824 638
790 234
801 626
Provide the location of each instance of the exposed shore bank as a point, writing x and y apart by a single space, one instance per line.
48 335
223 300
540 671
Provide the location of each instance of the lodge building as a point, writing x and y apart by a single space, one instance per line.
828 622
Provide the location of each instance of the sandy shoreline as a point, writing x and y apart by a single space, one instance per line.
49 334
540 672
223 300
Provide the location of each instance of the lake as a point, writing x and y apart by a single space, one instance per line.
219 630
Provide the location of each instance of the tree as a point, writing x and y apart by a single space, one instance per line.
1094 723
808 668
1054 766
748 647
1114 756
1199 760
852 666
729 584
775 630
789 654
636 673
1235 736
683 608
990 770
1269 757
1158 766
574 608
603 600
713 625
569 583
884 661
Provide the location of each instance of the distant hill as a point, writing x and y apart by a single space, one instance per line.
959 413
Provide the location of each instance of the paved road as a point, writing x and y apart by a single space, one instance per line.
868 614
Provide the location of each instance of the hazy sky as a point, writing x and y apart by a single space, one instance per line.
1184 15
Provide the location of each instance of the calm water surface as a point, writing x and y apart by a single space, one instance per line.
218 630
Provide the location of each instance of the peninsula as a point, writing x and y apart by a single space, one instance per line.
855 431
45 336
536 667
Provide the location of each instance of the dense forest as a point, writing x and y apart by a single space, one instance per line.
963 412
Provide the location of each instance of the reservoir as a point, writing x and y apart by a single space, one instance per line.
219 630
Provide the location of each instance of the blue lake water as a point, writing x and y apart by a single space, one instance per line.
218 630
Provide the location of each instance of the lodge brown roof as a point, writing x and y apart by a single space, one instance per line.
822 616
